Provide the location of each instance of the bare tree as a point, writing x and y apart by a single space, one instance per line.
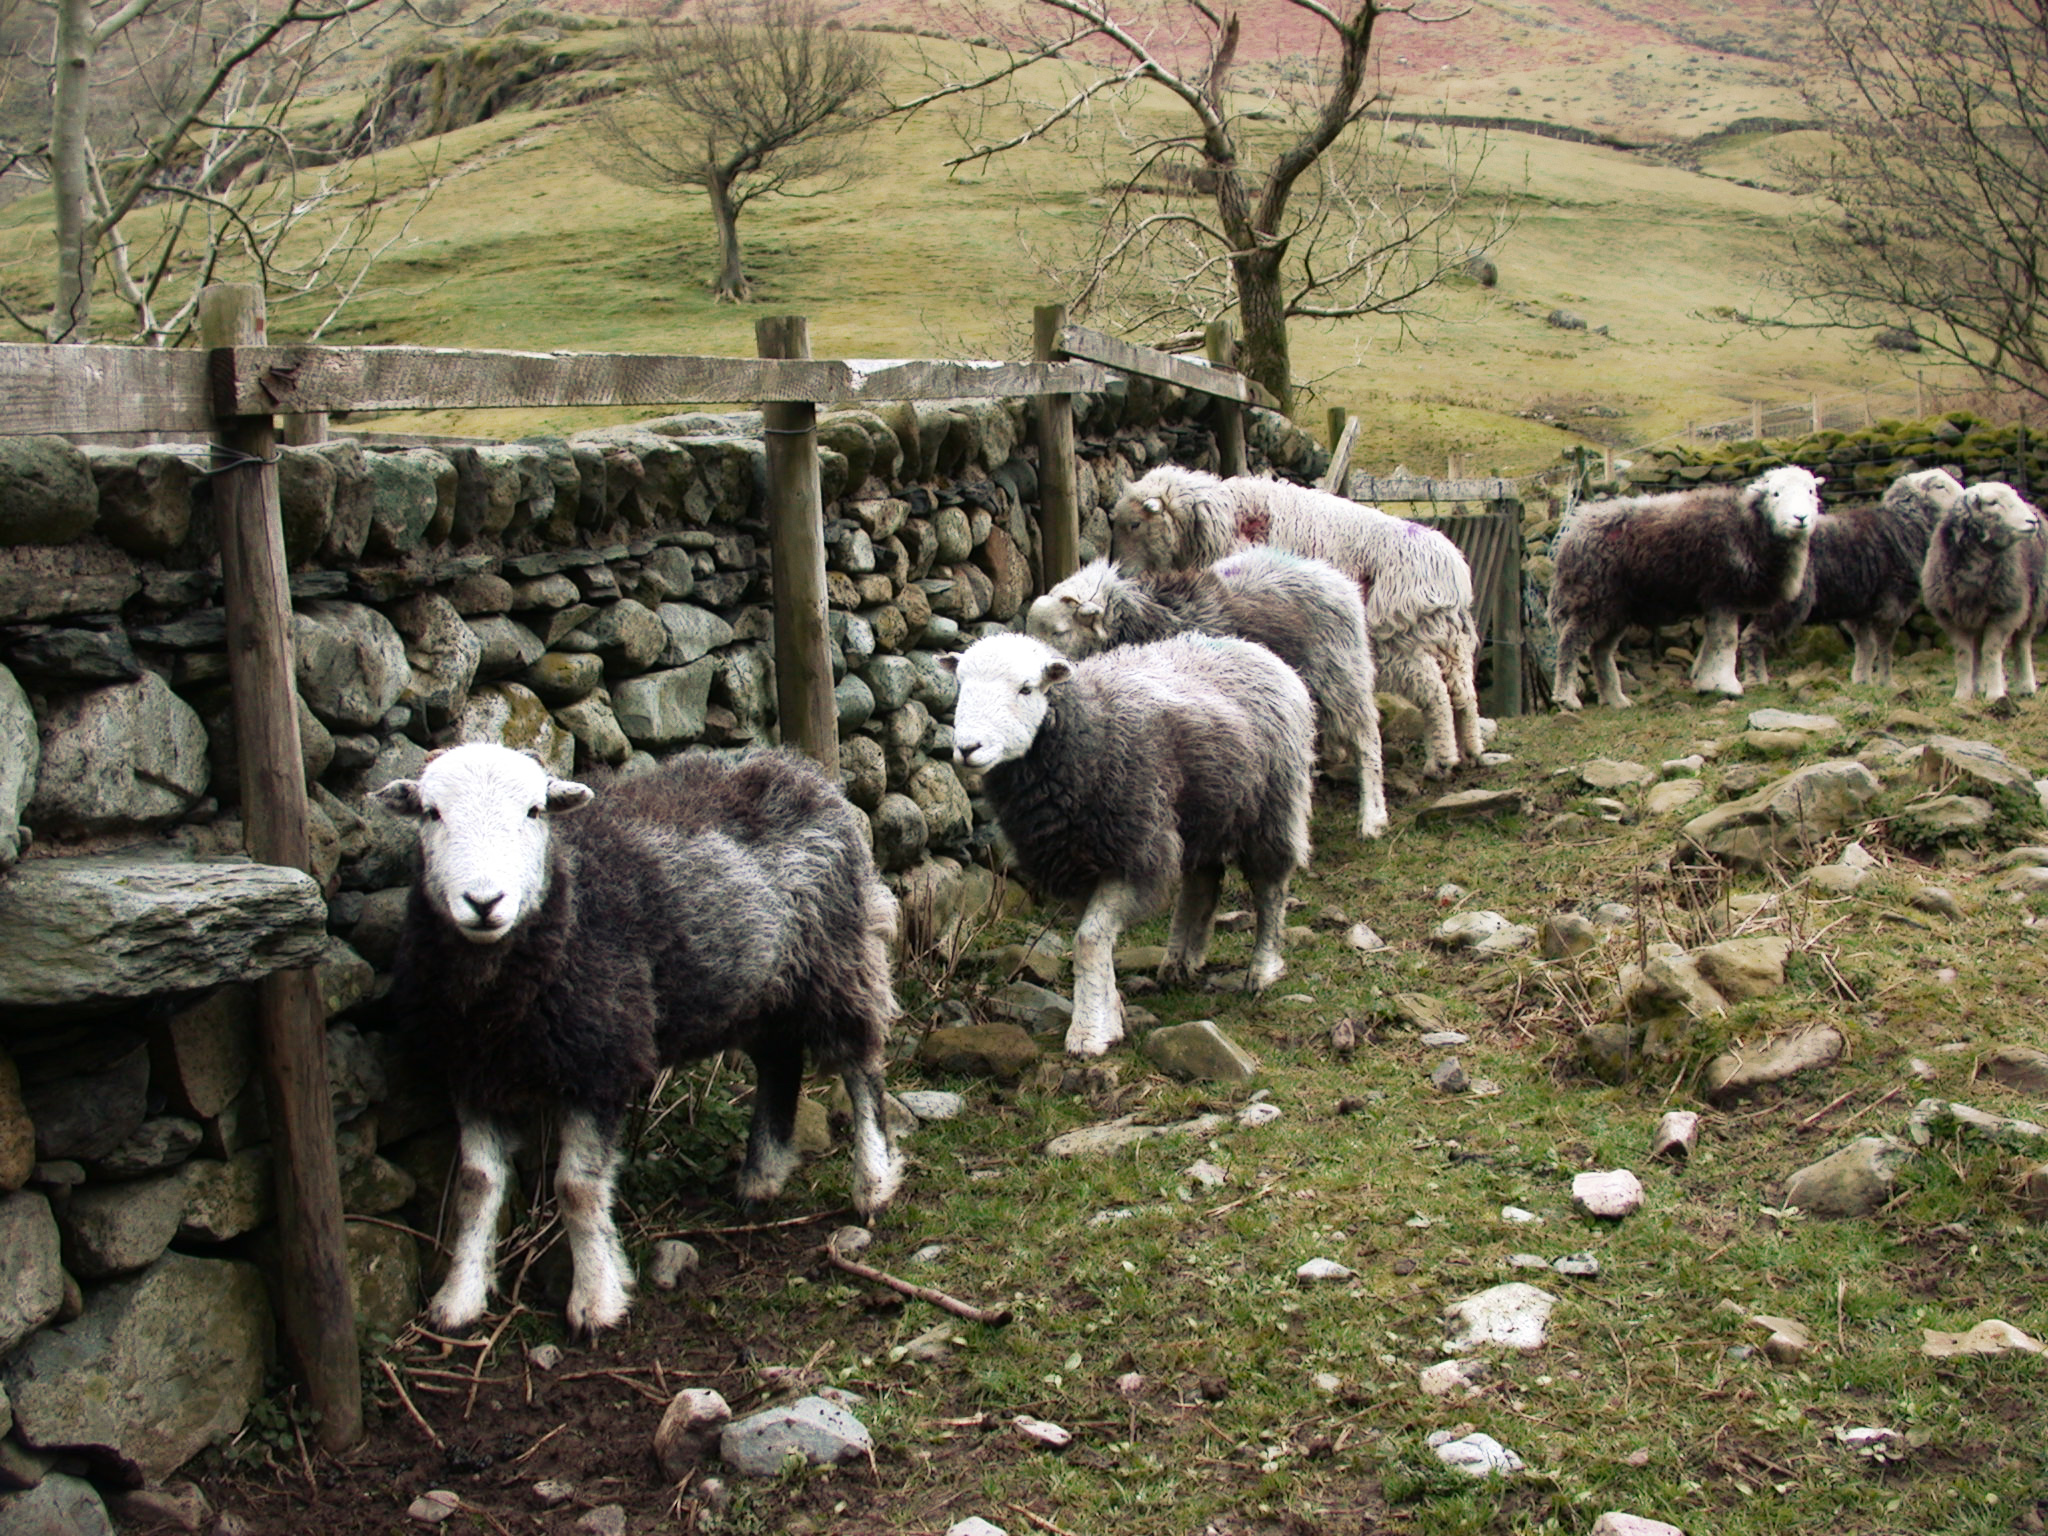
753 99
1934 234
171 163
1285 193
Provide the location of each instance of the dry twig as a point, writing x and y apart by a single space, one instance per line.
939 1299
405 1397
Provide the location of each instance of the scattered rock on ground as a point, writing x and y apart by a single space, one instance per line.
1611 1193
1852 1182
1743 1071
1511 1316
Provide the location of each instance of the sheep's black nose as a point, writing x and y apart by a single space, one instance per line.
483 901
962 750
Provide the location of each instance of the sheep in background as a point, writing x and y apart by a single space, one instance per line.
1863 572
560 961
1719 551
1116 776
1306 612
1986 583
1416 585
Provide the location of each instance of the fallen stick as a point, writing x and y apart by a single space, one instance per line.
405 1397
939 1299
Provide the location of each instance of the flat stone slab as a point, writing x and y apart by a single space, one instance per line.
1465 804
1788 720
1115 1135
1612 1192
1736 1073
1511 1316
110 928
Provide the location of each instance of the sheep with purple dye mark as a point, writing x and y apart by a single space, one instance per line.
1415 582
1306 612
1115 777
1862 572
1986 583
1717 551
558 961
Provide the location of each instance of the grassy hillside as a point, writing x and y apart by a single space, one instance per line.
527 244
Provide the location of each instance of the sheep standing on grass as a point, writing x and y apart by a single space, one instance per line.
560 961
1416 585
1306 612
1719 551
1862 572
1116 776
1986 583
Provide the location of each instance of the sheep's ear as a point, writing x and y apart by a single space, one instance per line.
1153 506
950 662
1090 610
401 797
1056 672
1068 599
566 795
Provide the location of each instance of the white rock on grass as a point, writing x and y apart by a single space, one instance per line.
673 1258
433 1506
1515 1216
1449 1378
1511 1316
1993 1336
933 1103
1205 1175
1043 1432
1467 929
1612 1193
817 1432
1616 1524
1252 1116
974 1525
1476 1455
1321 1272
1677 1133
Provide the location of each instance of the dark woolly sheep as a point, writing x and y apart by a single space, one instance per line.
559 962
1986 583
1719 551
1862 572
1306 612
1416 585
1117 776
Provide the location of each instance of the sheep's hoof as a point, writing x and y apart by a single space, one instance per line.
2002 707
446 1314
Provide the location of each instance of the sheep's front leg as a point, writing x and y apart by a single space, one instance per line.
877 1166
1098 1011
1564 678
1864 669
778 1056
1372 774
1460 662
1269 904
585 1177
483 1170
2023 665
1194 917
1991 647
1714 671
1607 672
1965 647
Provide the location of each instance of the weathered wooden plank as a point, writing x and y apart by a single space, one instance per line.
1377 489
282 380
1340 456
102 391
1093 346
806 708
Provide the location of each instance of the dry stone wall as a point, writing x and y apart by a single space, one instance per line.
602 600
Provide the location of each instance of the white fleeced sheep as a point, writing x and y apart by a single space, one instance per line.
1116 777
1717 552
557 962
1415 582
1986 583
1863 573
1306 612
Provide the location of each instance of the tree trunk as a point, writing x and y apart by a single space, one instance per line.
731 285
71 315
1262 318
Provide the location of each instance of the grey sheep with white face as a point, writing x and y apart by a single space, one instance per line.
1117 777
1862 572
1306 612
1986 583
562 945
1717 552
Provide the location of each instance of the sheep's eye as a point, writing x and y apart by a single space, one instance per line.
432 814
533 813
1024 688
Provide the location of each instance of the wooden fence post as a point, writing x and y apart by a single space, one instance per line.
804 701
1059 496
319 1312
1220 343
1339 472
302 430
1504 694
1756 419
1337 418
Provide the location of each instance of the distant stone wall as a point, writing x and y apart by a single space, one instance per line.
601 599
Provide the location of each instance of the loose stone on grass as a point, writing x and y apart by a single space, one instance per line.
1740 1072
1511 1316
813 1430
1322 1272
1993 1336
1678 1131
1476 1454
1043 1432
1459 1377
1611 1194
1852 1182
1449 1077
1615 1524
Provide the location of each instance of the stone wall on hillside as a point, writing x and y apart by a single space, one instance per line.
601 599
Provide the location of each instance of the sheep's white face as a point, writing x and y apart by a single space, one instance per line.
482 812
2002 518
1003 683
1069 618
1788 499
1937 487
1144 523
